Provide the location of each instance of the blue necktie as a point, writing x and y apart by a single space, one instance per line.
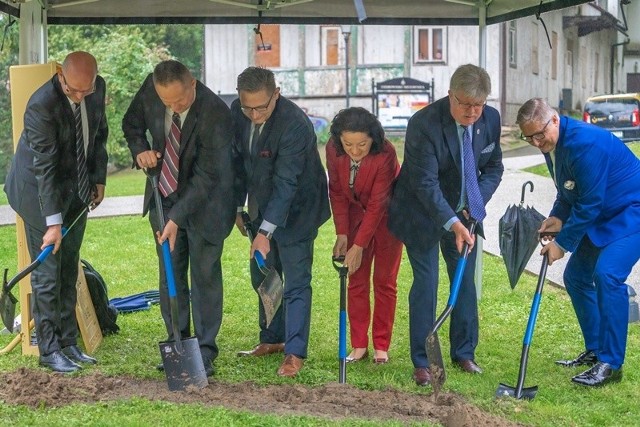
474 198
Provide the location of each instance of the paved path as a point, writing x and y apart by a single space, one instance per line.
508 193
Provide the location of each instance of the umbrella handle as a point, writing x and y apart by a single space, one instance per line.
524 188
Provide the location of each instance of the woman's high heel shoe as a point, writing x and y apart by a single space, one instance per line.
351 359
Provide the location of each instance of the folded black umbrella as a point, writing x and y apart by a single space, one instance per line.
518 230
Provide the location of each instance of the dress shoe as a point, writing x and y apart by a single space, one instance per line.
380 357
598 375
586 358
422 376
290 366
208 367
160 367
351 359
75 354
263 349
468 365
58 362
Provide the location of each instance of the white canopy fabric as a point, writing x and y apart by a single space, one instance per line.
416 12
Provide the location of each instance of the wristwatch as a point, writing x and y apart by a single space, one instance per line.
265 233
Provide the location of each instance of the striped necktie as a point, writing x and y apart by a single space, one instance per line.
83 178
168 182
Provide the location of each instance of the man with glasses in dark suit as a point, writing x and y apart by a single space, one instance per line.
279 168
59 169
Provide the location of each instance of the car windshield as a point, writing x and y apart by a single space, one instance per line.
611 106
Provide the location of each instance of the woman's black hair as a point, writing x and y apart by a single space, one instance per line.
357 119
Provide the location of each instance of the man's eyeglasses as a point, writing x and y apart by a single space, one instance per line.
536 136
260 108
76 91
469 106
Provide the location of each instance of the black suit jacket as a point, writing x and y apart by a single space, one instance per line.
205 180
286 176
428 188
43 178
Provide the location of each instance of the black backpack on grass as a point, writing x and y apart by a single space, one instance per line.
105 312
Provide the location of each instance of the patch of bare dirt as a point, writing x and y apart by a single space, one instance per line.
332 401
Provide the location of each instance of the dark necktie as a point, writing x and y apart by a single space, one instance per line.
252 202
474 198
254 140
83 179
169 174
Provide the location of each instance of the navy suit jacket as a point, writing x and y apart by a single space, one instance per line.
429 185
286 176
205 174
598 183
43 178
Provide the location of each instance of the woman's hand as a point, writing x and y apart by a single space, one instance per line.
353 259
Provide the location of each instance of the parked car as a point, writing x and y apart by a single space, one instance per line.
618 113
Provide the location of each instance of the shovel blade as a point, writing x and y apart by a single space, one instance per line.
8 309
184 368
270 291
434 354
507 391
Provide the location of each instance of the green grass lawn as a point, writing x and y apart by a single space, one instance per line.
121 249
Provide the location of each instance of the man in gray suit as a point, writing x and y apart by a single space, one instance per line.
278 166
191 132
60 167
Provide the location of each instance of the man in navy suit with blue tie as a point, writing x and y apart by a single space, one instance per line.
597 216
452 166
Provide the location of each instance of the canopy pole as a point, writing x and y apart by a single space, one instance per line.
33 34
482 62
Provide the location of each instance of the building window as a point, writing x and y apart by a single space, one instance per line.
330 49
554 55
267 47
535 66
513 48
429 44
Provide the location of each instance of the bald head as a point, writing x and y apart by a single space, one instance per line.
78 75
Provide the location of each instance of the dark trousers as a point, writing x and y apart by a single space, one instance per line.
53 284
292 321
595 281
192 253
463 329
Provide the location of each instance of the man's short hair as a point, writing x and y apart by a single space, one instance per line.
170 71
255 79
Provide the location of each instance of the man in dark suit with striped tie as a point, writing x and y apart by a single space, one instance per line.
60 167
190 130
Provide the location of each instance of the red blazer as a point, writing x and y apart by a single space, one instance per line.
361 212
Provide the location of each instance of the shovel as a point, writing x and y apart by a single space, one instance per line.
181 359
271 288
7 300
432 343
342 334
521 392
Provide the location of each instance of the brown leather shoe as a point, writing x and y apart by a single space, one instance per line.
469 366
263 349
422 376
290 366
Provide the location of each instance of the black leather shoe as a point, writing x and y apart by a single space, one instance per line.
422 376
75 354
586 358
598 375
160 367
468 365
208 368
58 362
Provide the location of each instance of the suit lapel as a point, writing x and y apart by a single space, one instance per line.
453 142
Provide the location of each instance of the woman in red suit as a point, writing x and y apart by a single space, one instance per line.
362 167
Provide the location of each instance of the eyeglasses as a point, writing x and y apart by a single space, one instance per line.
536 136
260 108
468 106
77 91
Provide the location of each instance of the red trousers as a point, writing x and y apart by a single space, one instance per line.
383 254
